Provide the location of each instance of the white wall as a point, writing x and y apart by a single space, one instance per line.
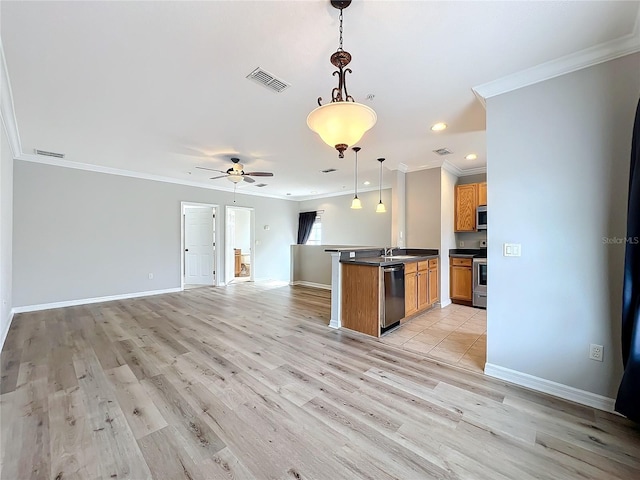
558 172
447 237
423 214
343 226
80 234
6 241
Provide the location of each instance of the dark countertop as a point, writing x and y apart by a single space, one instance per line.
375 259
468 252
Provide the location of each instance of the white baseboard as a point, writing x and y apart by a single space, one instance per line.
311 284
5 331
85 301
552 388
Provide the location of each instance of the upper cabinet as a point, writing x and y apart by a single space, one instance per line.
467 199
482 193
465 208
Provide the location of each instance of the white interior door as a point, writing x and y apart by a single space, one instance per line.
229 241
199 244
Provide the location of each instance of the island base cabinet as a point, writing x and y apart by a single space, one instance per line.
361 299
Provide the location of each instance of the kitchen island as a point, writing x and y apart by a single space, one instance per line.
360 300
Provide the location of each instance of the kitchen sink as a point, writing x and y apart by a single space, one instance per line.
397 257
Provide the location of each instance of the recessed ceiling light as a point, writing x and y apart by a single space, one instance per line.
471 156
313 192
438 127
288 194
367 182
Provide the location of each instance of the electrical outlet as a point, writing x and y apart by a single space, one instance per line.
461 244
596 352
352 254
151 276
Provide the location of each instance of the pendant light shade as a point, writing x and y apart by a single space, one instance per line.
356 204
381 208
341 123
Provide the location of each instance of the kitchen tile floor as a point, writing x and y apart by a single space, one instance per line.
454 334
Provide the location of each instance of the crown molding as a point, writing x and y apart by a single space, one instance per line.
56 162
403 168
588 57
303 198
7 111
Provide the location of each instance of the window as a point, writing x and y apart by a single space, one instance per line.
315 237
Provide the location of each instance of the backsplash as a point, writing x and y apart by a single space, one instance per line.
470 239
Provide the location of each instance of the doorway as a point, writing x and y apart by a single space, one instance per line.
199 258
239 244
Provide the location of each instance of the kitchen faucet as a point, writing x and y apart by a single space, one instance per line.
388 252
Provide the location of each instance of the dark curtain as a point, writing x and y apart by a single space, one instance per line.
305 224
628 401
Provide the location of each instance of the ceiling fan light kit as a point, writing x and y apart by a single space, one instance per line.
236 173
342 122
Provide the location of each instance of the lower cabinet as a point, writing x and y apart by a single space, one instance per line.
410 288
420 285
461 279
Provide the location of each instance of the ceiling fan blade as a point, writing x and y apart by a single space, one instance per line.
211 169
220 176
247 179
260 174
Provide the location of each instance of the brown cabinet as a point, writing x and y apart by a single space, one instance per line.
482 193
420 285
433 281
461 276
466 203
423 285
410 288
467 199
360 298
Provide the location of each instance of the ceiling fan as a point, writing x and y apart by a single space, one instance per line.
237 174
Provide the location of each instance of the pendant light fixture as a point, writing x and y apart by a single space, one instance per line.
342 122
381 208
356 204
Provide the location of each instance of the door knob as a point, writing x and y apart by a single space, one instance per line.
186 249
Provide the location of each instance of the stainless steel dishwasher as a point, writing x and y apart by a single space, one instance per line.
393 299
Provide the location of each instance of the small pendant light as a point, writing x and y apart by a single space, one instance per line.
356 203
381 208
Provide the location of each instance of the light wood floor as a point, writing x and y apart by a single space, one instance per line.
248 382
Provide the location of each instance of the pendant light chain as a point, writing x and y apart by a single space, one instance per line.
355 177
340 47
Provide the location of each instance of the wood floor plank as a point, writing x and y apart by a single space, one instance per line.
111 434
73 454
141 413
248 382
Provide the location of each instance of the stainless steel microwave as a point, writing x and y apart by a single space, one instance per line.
481 218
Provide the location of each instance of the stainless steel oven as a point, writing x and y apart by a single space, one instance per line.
480 282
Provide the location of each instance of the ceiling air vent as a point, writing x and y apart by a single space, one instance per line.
48 154
268 80
329 170
261 185
443 151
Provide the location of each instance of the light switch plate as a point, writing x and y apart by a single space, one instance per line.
511 249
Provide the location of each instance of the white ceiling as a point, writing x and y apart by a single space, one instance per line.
159 88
